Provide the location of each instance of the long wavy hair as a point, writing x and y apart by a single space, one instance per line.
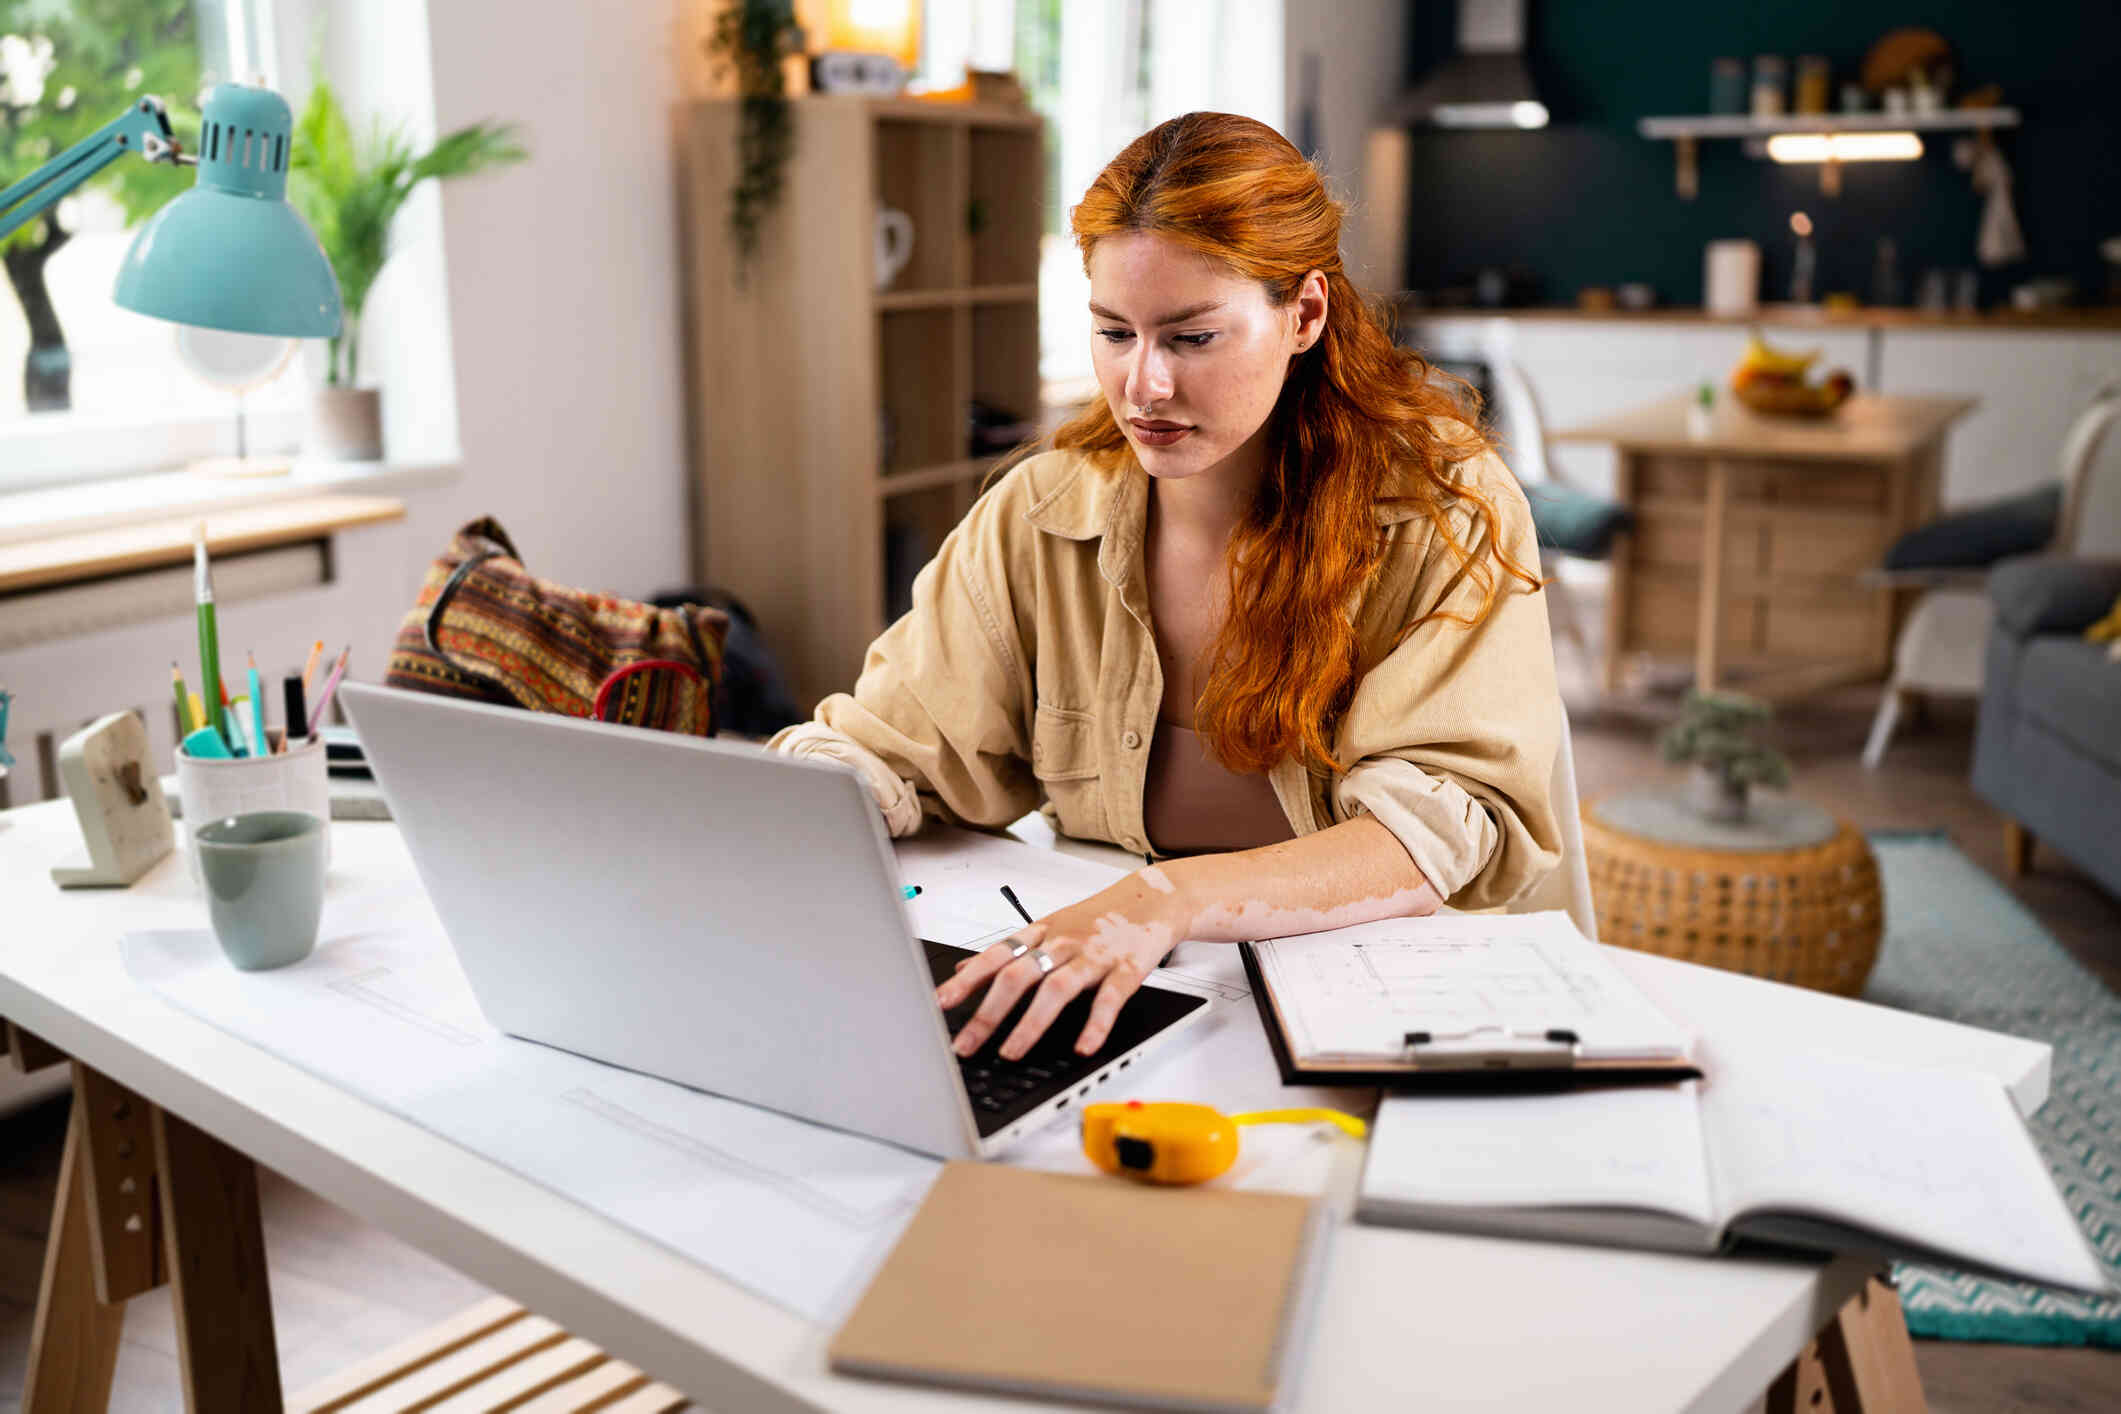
1360 421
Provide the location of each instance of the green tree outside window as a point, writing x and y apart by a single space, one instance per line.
66 68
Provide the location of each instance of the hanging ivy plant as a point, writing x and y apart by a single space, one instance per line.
752 37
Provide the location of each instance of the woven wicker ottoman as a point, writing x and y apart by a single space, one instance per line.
1790 894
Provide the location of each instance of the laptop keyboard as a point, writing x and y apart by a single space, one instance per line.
1003 1091
996 1085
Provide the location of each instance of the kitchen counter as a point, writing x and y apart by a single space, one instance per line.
2100 319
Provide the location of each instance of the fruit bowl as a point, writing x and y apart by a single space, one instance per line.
1771 381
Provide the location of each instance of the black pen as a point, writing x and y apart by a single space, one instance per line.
1017 903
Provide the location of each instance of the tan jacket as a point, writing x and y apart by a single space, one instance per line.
1026 675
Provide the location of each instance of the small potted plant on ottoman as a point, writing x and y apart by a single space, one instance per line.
1712 733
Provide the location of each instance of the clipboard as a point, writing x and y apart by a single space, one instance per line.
1471 1061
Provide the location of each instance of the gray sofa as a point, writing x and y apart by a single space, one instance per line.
2047 750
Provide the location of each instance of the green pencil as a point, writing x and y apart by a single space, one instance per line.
209 638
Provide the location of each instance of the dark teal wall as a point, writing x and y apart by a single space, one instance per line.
1586 201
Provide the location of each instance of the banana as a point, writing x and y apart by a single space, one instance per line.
1758 354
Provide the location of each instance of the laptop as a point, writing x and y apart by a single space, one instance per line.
713 914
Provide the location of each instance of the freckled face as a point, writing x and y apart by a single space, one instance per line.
1190 355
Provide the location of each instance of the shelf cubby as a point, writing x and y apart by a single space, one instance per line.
1006 212
1005 358
920 171
919 371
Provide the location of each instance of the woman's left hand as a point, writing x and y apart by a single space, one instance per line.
1108 942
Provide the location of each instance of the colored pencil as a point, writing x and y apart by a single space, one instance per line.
331 685
311 666
257 707
176 685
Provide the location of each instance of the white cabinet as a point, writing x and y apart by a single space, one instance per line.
2031 387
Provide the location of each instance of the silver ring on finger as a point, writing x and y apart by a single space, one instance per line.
1038 955
1018 948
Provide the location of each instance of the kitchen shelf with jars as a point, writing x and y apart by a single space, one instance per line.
1900 91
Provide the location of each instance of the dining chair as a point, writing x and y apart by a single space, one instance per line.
1942 642
1571 522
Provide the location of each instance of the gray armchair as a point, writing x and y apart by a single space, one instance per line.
2047 748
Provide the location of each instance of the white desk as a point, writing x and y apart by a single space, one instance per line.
1449 1321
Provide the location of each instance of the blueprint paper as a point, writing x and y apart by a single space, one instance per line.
794 1211
961 874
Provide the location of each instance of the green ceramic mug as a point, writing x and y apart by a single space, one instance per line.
264 878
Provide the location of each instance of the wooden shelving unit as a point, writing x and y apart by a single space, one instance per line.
829 419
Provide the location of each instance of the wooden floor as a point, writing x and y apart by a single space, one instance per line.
342 1290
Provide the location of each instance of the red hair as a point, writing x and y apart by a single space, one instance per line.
1357 414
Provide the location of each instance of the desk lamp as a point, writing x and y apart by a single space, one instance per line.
229 254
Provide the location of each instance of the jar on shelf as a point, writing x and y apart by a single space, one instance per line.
1727 86
1814 83
1770 82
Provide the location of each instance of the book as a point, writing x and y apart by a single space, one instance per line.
1459 999
1093 1289
1815 1151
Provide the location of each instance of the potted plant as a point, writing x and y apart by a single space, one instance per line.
1712 734
753 40
349 193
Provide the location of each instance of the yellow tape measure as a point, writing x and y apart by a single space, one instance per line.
1167 1141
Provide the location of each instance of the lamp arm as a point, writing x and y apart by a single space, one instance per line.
143 128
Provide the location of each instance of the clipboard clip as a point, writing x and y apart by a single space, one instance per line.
1494 1048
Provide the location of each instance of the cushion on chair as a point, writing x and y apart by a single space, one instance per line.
1575 523
1980 535
2052 593
2070 687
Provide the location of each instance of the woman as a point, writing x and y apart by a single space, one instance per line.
1268 613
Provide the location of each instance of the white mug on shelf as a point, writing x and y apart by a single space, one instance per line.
894 244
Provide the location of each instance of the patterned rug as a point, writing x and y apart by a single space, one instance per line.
1958 946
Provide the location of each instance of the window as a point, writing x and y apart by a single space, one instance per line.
1102 72
87 388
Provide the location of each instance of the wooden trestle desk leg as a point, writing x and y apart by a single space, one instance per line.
146 1198
1862 1363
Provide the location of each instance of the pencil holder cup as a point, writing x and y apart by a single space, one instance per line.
294 779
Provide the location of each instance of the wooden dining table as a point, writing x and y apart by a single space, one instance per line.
1753 536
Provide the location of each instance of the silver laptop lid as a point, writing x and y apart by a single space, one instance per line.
698 910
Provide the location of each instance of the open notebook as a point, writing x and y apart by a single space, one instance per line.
1806 1150
1453 999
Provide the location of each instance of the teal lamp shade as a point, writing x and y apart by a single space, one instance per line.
231 253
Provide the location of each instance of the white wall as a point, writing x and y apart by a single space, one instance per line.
1361 48
564 288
